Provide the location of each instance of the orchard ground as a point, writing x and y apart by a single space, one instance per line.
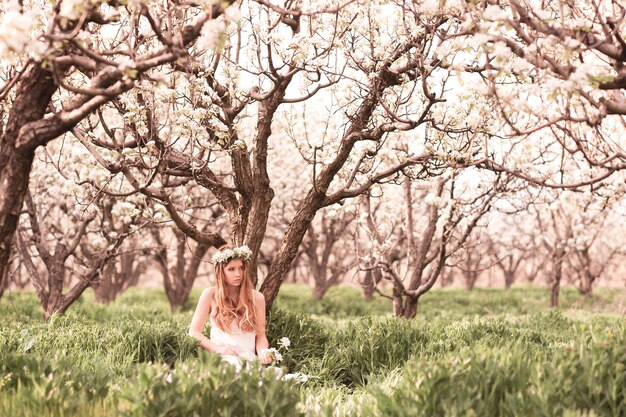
486 352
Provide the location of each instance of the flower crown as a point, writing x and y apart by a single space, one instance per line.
226 255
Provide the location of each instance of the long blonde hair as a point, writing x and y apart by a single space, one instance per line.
225 312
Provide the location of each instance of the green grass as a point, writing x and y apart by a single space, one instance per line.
343 302
486 352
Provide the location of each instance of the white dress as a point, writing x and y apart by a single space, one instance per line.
244 343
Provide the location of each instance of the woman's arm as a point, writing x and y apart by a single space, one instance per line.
261 337
197 324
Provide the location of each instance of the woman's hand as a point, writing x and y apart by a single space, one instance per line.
265 357
226 350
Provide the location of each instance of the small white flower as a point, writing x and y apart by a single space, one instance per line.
494 12
223 256
210 34
274 354
232 14
297 377
434 200
284 342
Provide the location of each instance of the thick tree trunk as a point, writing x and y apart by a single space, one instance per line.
587 278
410 308
403 305
53 300
288 248
447 277
33 95
315 198
255 232
323 282
103 289
319 272
554 293
56 278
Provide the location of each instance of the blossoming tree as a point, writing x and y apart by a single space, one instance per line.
413 249
74 231
554 71
212 119
62 61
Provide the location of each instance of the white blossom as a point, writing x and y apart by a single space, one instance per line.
274 354
232 14
434 200
98 242
211 34
15 28
224 256
431 7
582 73
284 342
296 376
493 12
72 9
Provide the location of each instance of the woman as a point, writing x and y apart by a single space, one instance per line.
235 310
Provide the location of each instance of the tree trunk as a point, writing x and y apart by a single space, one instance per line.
370 282
556 279
397 300
509 278
33 95
320 289
315 198
447 277
12 278
410 308
288 248
103 289
4 283
586 283
114 281
470 280
56 279
179 280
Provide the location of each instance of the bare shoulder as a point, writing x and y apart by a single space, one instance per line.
207 296
258 296
208 292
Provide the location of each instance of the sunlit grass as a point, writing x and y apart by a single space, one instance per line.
112 360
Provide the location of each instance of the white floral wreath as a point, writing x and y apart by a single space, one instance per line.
224 256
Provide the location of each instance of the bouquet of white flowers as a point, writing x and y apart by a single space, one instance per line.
275 354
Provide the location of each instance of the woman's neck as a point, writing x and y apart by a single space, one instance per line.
233 294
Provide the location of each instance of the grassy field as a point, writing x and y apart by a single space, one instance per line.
479 353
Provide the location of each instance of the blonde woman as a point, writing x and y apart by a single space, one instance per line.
236 311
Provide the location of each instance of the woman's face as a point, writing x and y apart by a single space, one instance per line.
233 273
